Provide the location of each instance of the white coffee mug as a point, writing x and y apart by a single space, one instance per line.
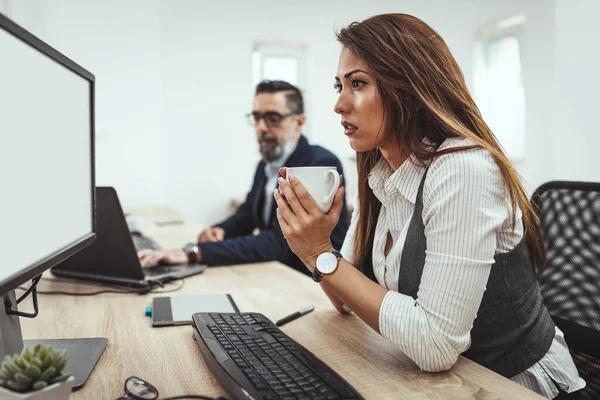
321 182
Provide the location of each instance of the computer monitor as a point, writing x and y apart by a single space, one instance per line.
47 193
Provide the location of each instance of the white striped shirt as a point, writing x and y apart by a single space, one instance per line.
467 217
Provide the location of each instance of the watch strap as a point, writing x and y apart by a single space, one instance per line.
316 275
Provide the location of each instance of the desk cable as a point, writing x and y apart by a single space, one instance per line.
155 285
8 306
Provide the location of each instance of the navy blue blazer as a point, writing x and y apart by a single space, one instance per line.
240 246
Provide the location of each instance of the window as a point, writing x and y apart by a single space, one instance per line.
278 62
284 62
499 90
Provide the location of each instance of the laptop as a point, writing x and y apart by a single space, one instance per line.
112 258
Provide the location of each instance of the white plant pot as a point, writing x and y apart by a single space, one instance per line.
57 391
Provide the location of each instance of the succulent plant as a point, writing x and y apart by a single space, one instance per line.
35 370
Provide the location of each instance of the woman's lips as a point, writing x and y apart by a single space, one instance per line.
349 129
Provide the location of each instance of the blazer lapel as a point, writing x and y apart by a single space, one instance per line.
258 202
296 159
302 150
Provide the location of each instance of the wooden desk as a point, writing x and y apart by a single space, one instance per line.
169 358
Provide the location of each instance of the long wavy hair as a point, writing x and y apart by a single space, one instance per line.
424 95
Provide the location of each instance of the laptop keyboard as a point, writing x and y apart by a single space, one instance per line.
161 269
143 242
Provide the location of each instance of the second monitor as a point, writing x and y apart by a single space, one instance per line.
47 174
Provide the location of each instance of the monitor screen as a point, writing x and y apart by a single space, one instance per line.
46 157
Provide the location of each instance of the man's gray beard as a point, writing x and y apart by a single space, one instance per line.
270 154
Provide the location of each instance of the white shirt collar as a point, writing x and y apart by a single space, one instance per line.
386 182
406 180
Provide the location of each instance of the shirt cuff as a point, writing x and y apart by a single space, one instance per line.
394 306
207 253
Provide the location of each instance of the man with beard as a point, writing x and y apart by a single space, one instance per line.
277 118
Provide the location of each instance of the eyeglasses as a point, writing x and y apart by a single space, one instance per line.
138 389
272 118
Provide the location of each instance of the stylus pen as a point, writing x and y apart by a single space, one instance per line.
295 315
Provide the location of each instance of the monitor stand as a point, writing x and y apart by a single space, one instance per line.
83 353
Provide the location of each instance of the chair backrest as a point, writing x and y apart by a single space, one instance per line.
569 214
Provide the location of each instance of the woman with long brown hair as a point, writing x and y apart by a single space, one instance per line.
442 251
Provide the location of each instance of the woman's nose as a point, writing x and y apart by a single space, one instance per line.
341 105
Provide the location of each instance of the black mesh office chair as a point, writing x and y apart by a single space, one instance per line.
569 213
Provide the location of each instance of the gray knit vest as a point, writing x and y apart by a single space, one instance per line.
513 329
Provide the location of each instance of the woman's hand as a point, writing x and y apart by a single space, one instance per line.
305 227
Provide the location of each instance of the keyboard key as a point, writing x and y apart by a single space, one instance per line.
272 381
343 391
326 392
295 376
278 388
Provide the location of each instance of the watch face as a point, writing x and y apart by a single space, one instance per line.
326 263
189 247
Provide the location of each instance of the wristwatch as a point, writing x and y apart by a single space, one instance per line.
191 250
327 264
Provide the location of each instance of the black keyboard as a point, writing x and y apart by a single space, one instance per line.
143 242
253 359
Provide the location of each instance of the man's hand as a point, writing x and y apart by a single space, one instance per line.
150 258
214 234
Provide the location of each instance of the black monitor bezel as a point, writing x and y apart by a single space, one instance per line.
37 268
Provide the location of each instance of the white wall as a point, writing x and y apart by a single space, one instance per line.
207 86
174 82
119 42
578 90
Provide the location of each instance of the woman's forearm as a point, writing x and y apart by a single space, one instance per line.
349 286
337 303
